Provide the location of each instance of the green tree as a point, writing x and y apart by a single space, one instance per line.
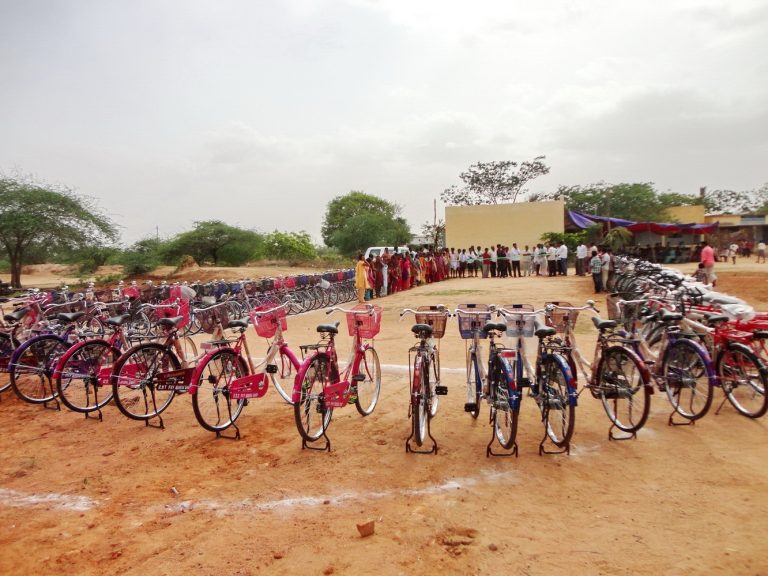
143 256
371 229
343 208
733 202
288 246
638 201
47 217
494 182
435 232
215 242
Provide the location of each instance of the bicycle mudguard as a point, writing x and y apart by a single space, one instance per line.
507 356
72 349
251 386
301 373
573 395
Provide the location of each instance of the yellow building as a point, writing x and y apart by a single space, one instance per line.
491 224
686 214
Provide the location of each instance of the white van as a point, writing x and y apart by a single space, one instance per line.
379 250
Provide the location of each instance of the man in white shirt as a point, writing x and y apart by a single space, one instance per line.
493 261
551 260
562 259
581 259
514 257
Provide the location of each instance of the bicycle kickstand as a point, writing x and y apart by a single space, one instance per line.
721 405
308 444
432 450
685 422
489 450
618 438
99 417
564 450
160 425
56 404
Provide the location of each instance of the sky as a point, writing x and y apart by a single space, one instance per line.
258 113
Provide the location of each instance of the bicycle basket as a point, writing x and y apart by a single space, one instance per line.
519 324
625 314
559 319
360 321
266 324
173 307
435 318
103 296
209 316
476 320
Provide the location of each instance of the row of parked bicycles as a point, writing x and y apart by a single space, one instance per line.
665 332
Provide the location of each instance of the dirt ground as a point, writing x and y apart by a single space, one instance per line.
82 497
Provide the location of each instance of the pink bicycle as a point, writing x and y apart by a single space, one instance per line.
320 387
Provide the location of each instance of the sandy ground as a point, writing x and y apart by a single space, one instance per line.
82 497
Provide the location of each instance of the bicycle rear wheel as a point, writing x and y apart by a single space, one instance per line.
622 389
743 378
134 380
558 414
434 380
686 374
7 346
419 400
214 408
311 416
503 416
474 386
369 388
79 379
32 370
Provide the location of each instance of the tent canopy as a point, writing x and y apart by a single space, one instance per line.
582 221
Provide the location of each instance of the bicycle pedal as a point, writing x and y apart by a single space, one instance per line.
358 378
524 383
441 390
470 407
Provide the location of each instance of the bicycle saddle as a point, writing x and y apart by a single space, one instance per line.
760 334
117 320
329 328
601 324
16 315
543 331
170 322
237 324
68 317
425 329
715 318
498 326
667 316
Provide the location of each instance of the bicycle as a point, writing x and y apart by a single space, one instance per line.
226 375
319 387
424 373
617 376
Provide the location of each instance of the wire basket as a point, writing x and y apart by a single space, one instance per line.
433 317
559 319
473 317
361 321
519 324
266 324
209 317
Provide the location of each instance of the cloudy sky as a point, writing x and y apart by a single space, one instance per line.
260 112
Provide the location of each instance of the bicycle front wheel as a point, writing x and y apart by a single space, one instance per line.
743 378
7 346
686 375
558 413
503 416
369 387
81 377
134 380
434 381
311 416
32 371
282 378
622 389
419 400
214 408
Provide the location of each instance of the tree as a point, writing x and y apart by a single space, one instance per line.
435 232
288 246
732 202
47 217
143 256
618 237
216 242
346 218
637 202
494 182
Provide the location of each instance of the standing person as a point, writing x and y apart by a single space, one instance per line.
471 259
611 270
551 260
514 259
501 261
733 250
562 259
605 258
581 258
486 256
370 278
385 258
707 259
405 272
462 263
361 280
595 266
541 259
416 267
761 252
494 260
526 261
378 266
454 264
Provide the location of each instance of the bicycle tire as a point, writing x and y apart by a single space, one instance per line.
212 404
77 375
743 377
131 386
503 416
368 390
311 417
419 400
139 325
7 345
434 381
623 389
189 348
282 379
33 366
475 385
686 376
558 414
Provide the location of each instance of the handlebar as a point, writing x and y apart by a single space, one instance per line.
440 310
370 310
590 305
258 313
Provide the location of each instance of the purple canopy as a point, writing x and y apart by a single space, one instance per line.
581 220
